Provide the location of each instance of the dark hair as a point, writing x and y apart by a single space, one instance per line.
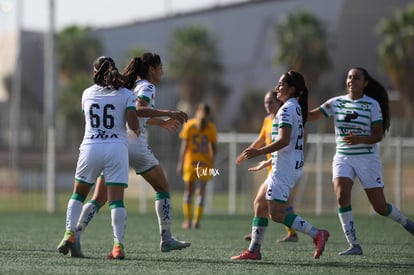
203 120
273 94
375 90
106 74
296 80
139 66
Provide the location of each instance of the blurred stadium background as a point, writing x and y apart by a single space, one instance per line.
249 45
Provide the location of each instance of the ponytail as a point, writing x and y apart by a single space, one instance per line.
131 72
106 74
375 90
138 67
202 115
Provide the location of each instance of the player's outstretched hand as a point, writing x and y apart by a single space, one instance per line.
250 153
259 166
179 115
239 159
171 125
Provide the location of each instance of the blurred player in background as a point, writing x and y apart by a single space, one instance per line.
196 162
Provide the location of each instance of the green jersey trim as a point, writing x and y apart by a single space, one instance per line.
340 152
323 112
285 125
147 99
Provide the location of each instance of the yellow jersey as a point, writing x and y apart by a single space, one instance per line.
266 134
199 152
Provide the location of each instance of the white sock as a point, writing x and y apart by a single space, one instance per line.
258 233
163 210
347 222
259 226
303 226
72 214
396 215
118 217
89 210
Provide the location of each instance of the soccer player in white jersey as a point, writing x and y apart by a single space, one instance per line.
272 105
142 74
107 107
361 119
287 162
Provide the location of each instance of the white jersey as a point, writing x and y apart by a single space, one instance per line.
141 158
145 90
104 111
353 116
290 157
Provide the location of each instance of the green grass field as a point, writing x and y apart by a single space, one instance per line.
28 246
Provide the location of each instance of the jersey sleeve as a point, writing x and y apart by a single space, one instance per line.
184 131
146 92
286 116
376 113
327 107
83 102
131 100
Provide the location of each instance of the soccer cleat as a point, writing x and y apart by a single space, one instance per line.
75 249
117 252
196 225
354 249
409 226
248 237
173 244
289 238
67 242
320 241
248 255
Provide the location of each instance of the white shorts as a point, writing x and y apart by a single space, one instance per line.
110 159
367 168
141 158
280 184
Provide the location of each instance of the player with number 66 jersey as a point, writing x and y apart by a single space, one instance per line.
107 107
104 118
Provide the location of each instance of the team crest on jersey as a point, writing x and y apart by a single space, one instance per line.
341 104
327 106
364 106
